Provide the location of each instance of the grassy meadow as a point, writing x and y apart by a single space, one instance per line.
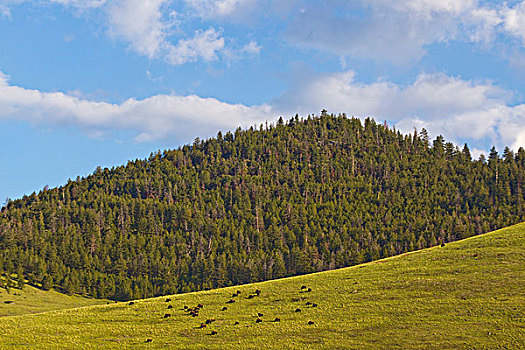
31 300
467 295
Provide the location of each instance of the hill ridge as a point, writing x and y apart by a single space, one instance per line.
293 198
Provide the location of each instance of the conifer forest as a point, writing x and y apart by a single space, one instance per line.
300 196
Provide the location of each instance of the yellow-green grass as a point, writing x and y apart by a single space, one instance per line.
31 300
466 295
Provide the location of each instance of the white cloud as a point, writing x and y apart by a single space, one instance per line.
140 22
5 7
456 108
400 31
218 8
158 116
204 45
152 27
514 20
81 3
428 8
148 25
250 49
394 31
386 31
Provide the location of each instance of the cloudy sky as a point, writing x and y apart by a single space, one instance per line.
98 82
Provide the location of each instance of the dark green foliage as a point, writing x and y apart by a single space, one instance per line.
47 282
302 196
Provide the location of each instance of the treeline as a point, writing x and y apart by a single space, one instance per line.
262 203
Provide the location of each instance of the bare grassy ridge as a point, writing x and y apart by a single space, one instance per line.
468 294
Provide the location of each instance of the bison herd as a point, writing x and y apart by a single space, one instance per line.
194 311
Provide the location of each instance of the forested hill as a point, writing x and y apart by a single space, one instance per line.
301 196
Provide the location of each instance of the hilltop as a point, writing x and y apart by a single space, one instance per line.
467 294
301 196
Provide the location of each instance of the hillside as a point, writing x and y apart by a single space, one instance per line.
468 294
31 300
277 200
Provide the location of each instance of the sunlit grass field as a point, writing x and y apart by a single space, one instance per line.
31 300
466 295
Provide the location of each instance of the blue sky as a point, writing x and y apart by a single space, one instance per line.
99 82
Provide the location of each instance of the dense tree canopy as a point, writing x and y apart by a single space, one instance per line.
262 203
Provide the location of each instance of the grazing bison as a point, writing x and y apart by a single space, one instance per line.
303 287
251 296
308 303
277 319
224 308
213 333
297 310
258 292
200 306
170 307
310 322
238 292
236 323
168 300
309 290
234 295
210 320
259 314
230 301
202 325
167 315
314 305
131 303
149 340
258 320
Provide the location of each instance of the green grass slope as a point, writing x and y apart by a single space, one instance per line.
31 300
466 295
